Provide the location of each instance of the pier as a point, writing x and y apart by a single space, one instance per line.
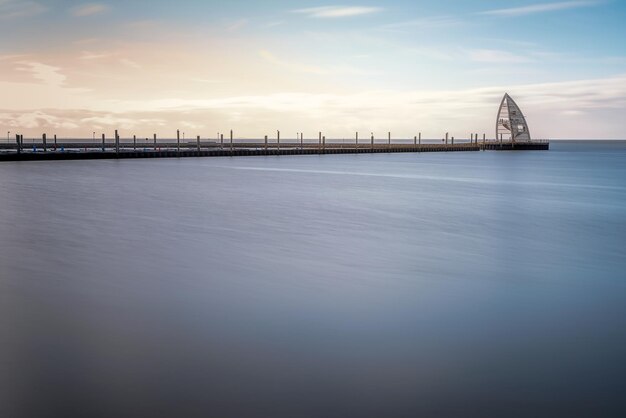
83 149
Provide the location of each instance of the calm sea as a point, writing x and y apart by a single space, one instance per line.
388 285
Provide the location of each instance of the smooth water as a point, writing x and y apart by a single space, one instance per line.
385 285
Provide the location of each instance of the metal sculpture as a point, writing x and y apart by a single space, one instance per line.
511 124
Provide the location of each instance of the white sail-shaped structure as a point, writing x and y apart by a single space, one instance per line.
511 124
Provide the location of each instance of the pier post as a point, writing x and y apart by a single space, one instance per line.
415 140
198 143
265 142
278 140
231 139
103 145
389 138
221 141
45 143
372 140
324 142
501 138
55 142
420 138
301 140
19 143
446 138
134 142
117 142
178 140
319 145
452 140
155 142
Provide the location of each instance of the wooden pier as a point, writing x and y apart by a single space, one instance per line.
44 149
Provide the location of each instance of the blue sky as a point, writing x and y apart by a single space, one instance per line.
73 67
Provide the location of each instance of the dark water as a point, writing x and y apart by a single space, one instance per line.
402 285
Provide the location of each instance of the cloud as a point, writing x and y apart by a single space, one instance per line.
239 24
574 109
11 9
47 74
337 11
130 63
425 23
311 69
88 55
497 56
89 9
539 8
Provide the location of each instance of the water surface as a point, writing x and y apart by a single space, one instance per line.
433 285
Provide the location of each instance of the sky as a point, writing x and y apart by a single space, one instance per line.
73 68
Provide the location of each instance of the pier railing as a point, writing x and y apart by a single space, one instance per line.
117 147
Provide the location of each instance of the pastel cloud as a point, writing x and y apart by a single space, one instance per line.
89 9
11 9
495 56
337 11
47 74
405 112
539 8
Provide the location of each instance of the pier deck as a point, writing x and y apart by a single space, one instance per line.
38 151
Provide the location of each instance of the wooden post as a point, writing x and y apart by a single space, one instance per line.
45 143
446 138
301 140
324 142
103 145
222 141
357 141
231 139
278 140
117 142
134 142
415 140
198 139
178 140
389 138
265 142
19 144
372 139
452 140
55 142
420 138
155 142
319 145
